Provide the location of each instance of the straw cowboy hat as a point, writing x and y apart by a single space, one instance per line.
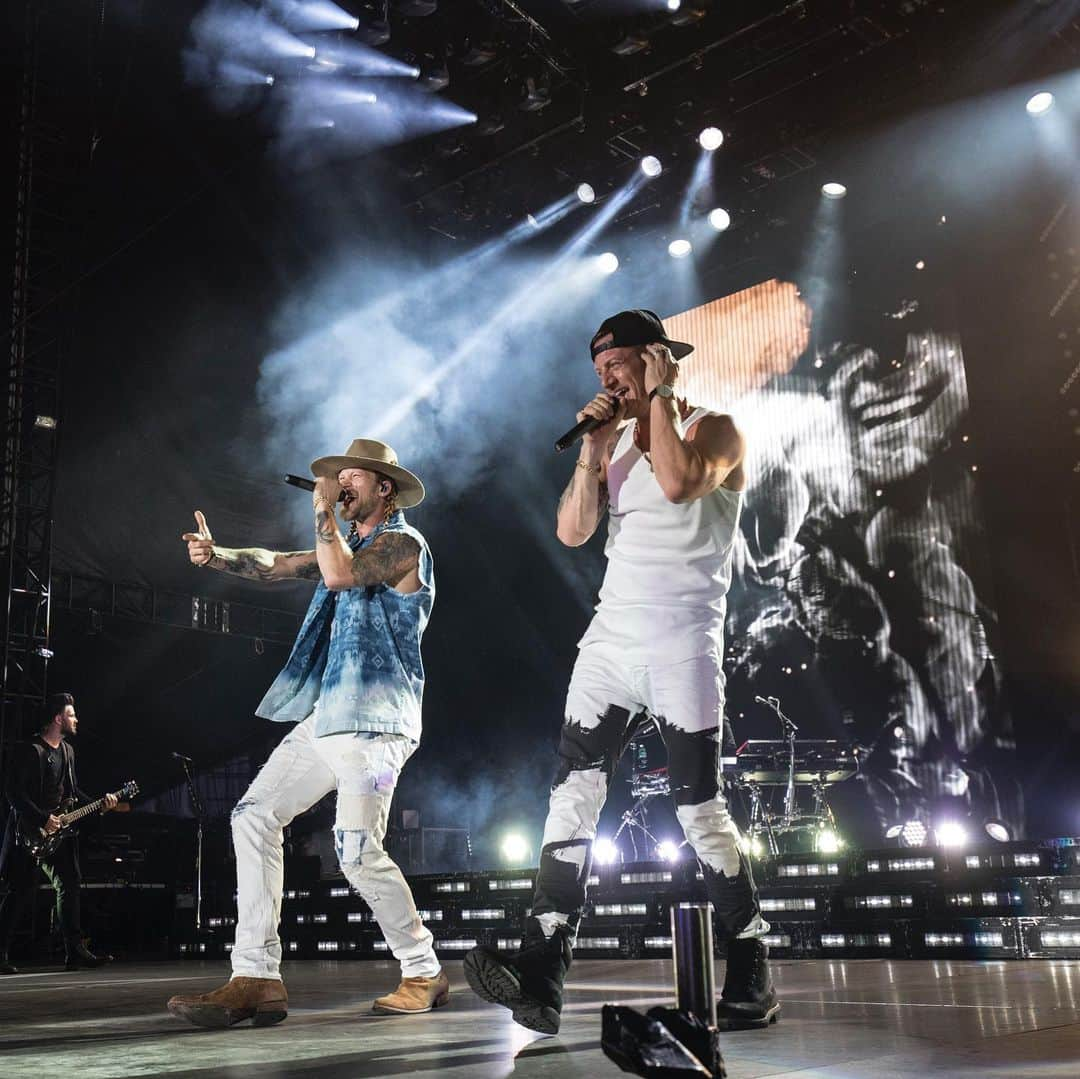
375 456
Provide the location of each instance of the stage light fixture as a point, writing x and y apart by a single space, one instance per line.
586 193
827 841
45 423
914 833
833 190
720 219
608 262
1040 103
605 852
951 834
534 95
679 249
651 166
712 138
998 829
514 848
674 5
667 850
893 831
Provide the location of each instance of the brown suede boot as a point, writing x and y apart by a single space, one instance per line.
415 995
261 999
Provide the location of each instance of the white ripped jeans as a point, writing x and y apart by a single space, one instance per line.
303 769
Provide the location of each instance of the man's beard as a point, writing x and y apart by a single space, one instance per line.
360 509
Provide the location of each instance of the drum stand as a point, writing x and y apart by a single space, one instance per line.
635 820
764 823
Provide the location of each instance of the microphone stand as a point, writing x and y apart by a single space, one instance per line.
196 805
788 731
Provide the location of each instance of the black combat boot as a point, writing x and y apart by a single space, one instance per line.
748 999
79 956
6 966
529 982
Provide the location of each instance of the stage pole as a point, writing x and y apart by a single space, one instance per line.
692 948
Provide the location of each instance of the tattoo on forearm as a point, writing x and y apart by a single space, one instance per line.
325 531
566 493
601 497
387 560
308 571
251 564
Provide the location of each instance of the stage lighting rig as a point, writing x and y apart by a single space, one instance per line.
1040 104
833 190
667 850
515 848
720 219
679 249
415 9
651 166
608 262
585 193
951 834
630 45
535 95
375 30
686 15
712 138
605 852
434 74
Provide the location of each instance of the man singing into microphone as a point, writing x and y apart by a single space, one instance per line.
353 684
671 481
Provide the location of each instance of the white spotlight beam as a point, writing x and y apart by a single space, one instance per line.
518 306
312 15
701 177
228 27
352 58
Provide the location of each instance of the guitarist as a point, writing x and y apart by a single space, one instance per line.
42 781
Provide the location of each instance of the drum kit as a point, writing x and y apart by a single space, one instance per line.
802 769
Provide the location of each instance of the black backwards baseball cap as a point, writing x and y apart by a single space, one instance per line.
637 327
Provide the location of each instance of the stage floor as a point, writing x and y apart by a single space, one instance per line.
850 1018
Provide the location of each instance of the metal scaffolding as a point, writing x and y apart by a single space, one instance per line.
53 154
102 598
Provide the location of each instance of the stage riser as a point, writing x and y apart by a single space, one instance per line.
1011 901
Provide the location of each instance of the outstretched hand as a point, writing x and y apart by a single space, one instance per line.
200 543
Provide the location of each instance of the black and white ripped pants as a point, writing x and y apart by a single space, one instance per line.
605 708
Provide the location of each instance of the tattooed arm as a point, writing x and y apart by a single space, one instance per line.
257 564
254 563
585 500
392 558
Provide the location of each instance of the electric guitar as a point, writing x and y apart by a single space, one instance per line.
41 844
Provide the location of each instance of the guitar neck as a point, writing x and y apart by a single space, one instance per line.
82 811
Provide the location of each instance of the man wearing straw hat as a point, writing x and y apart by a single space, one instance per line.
353 685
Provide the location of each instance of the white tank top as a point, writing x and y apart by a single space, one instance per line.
669 566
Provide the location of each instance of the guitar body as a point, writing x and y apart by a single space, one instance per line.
41 845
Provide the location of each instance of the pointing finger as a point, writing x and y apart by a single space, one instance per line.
200 521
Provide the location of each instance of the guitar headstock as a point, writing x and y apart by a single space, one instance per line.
128 791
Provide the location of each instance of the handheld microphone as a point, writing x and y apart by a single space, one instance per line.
305 484
590 423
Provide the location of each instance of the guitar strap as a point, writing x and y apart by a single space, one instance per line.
69 768
69 764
